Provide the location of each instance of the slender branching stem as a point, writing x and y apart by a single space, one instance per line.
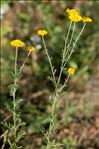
16 56
68 46
66 39
49 59
74 44
14 97
74 25
65 83
79 35
21 68
63 55
52 123
65 51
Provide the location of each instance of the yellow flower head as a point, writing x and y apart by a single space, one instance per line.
17 43
42 32
75 18
31 48
74 15
72 11
86 19
71 71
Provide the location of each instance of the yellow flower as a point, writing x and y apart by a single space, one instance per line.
75 18
86 19
42 32
17 43
71 71
72 11
31 48
74 15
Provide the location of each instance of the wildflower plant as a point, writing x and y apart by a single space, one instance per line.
69 45
15 130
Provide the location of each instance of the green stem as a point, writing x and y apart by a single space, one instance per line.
52 123
72 35
16 56
79 35
49 59
14 120
14 98
66 39
68 47
63 56
74 45
24 62
65 83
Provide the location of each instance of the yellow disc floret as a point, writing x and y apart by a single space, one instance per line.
75 18
74 15
42 32
71 71
31 48
72 11
86 19
17 43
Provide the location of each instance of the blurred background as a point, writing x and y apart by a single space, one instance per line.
78 108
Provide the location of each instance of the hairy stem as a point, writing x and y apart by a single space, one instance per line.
49 59
68 46
52 123
63 56
16 56
24 62
74 45
14 97
65 83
